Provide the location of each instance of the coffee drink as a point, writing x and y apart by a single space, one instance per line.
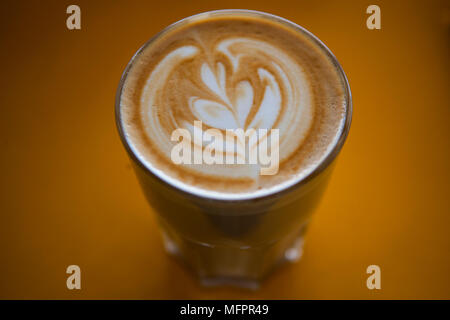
232 119
230 72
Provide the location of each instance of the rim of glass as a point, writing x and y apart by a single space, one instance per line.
281 188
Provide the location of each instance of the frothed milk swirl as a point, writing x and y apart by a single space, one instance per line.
233 72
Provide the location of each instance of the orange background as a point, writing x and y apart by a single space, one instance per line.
68 194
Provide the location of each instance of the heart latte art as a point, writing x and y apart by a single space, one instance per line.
230 74
271 94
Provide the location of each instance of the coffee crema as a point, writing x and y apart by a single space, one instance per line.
235 71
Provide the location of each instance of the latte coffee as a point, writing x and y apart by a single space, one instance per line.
233 119
233 72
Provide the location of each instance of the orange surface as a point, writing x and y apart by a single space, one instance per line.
68 194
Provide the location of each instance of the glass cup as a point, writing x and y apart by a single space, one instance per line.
235 240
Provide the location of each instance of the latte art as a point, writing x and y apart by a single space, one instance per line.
272 94
237 76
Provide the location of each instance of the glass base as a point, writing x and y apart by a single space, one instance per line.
243 267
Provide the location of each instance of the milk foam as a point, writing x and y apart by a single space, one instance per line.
291 114
230 80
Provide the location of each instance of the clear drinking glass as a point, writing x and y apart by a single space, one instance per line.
235 239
